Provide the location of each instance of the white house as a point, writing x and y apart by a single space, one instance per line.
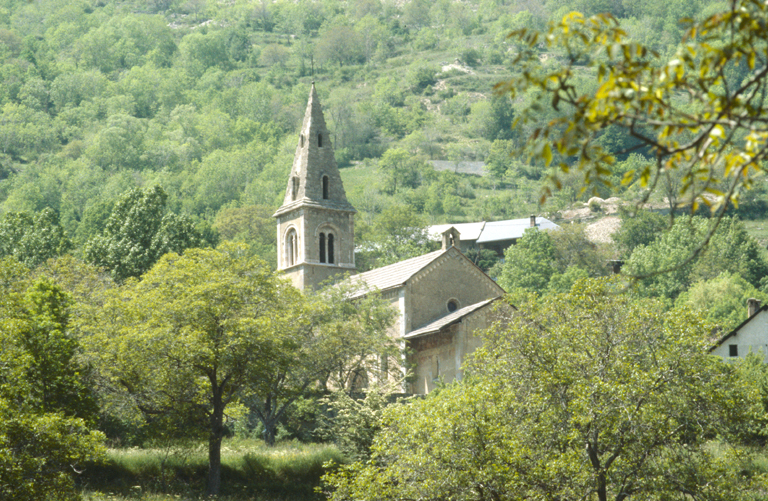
749 337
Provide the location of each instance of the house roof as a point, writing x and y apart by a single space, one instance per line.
737 329
449 319
510 229
492 231
395 275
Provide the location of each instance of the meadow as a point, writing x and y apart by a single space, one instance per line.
250 471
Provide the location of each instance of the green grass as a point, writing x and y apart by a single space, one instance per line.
250 470
758 228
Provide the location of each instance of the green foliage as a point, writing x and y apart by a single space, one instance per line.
695 149
398 233
722 299
730 249
193 335
32 238
45 390
42 369
551 260
353 422
138 233
252 225
591 394
638 228
39 453
529 264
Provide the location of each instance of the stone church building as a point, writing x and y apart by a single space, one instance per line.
442 297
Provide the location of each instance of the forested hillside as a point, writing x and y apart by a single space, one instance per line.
204 98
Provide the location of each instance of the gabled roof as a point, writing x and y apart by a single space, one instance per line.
493 231
449 319
737 329
395 275
511 229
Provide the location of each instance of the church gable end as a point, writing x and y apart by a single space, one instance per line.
448 283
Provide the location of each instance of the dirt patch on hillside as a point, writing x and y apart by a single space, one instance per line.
600 231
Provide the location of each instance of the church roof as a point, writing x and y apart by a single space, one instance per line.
315 180
449 319
395 275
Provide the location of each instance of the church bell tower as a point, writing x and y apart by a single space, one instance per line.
315 224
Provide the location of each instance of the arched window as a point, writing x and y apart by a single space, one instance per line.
330 248
319 140
322 247
326 182
291 248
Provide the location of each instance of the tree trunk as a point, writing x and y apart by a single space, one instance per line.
214 444
270 430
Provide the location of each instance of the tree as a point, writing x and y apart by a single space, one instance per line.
337 337
638 228
138 233
731 249
44 392
32 238
530 263
701 120
40 365
194 335
399 168
39 454
340 44
587 395
722 300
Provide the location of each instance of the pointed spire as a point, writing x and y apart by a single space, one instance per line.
314 178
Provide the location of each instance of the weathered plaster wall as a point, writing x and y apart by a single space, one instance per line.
440 356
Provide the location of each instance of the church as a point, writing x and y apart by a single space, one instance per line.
442 298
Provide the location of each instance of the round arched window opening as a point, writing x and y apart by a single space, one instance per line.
453 305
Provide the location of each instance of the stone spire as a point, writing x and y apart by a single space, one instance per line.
315 178
315 224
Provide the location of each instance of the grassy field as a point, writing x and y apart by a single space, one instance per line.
250 470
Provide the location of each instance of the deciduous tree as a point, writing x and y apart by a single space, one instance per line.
32 238
193 335
138 233
587 395
701 120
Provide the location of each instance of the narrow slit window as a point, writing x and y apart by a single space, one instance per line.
301 140
325 187
319 140
322 247
294 187
330 248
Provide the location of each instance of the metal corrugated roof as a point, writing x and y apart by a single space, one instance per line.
467 231
395 274
449 319
511 229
